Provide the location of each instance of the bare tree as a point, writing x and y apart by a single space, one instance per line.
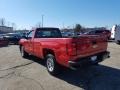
77 29
2 22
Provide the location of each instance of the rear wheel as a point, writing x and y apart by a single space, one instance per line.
24 54
94 62
118 42
97 60
52 66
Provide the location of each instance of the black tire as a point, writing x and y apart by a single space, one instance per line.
24 54
52 66
118 42
99 58
95 63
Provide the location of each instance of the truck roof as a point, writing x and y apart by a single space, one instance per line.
47 28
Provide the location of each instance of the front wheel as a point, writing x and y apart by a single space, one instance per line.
24 54
51 64
118 42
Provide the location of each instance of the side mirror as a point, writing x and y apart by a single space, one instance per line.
25 37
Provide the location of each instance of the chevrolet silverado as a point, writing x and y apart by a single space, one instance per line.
49 45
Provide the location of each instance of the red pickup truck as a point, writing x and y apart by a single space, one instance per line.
48 44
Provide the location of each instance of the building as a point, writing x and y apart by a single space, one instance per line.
5 29
21 31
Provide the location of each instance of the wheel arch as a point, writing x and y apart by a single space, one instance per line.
47 51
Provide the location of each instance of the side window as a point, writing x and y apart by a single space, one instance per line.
30 35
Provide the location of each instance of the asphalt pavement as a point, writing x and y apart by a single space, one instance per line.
17 73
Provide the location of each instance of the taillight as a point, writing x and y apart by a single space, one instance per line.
72 49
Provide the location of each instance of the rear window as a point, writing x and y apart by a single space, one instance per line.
48 33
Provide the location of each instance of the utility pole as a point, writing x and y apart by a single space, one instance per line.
2 22
39 24
63 26
42 20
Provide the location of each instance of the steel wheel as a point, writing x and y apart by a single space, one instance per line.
50 64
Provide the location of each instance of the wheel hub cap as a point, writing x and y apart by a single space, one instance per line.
50 64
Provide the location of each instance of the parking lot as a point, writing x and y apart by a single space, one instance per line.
17 73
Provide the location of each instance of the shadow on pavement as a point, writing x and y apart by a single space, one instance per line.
98 77
1 46
111 41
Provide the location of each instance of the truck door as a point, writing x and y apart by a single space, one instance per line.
29 45
37 43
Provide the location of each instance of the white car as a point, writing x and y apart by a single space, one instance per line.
113 32
117 34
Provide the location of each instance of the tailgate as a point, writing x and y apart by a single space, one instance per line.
90 44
